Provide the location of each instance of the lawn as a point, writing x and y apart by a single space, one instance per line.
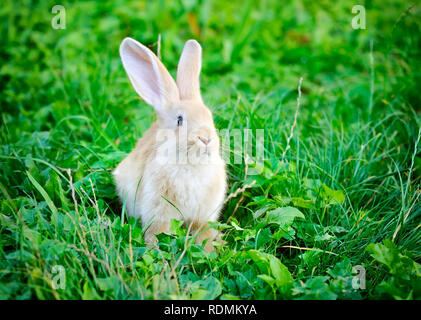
333 211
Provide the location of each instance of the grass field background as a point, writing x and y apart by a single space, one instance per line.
341 191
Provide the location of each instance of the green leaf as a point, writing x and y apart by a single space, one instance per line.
260 259
284 217
333 196
207 289
323 237
267 278
110 283
236 226
404 281
199 294
229 297
303 203
44 194
315 288
384 253
176 227
263 237
272 269
89 293
279 271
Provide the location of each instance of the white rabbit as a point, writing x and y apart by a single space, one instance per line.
175 171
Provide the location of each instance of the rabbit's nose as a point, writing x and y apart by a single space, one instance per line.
204 140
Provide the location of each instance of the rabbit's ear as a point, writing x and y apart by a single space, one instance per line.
189 70
149 77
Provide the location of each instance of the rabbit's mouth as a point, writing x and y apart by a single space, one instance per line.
198 153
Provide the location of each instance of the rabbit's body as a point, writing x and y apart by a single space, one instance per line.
175 170
161 192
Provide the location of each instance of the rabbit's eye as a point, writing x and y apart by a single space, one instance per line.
179 121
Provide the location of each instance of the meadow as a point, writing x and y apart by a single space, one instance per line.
334 212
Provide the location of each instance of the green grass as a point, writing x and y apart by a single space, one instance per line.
345 193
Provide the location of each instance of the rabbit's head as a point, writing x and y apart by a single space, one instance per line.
179 106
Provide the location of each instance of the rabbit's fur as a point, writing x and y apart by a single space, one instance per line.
153 187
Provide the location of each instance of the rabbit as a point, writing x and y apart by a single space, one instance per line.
180 177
